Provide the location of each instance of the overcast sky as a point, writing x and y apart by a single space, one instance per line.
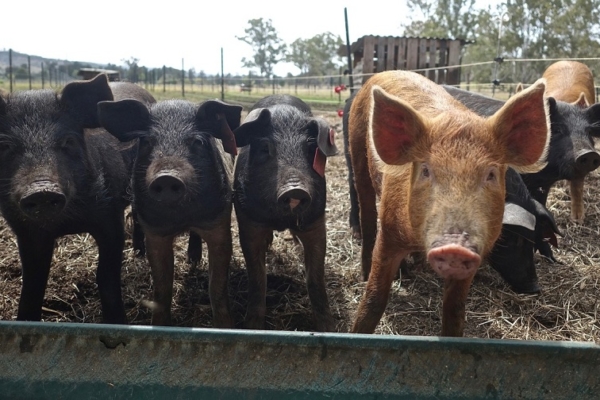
163 32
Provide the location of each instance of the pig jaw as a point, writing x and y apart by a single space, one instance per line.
453 256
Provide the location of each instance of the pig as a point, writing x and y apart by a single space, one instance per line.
513 253
573 82
526 224
571 155
181 180
62 177
441 170
279 184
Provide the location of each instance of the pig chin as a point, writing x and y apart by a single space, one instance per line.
454 259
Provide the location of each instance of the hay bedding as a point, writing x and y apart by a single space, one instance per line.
565 310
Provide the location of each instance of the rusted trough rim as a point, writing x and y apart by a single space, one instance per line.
60 360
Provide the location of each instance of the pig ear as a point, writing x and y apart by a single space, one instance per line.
2 105
396 129
519 87
593 116
545 218
220 118
255 125
80 99
325 136
581 101
125 119
211 109
522 128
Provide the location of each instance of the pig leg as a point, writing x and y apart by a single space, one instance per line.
254 240
218 241
160 257
314 243
137 239
455 297
110 239
368 224
36 257
354 209
194 250
387 256
577 210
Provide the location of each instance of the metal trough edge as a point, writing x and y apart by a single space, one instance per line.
54 361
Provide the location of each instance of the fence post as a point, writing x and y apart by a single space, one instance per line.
43 79
10 74
29 70
222 78
164 79
182 79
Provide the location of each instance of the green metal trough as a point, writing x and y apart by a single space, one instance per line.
89 361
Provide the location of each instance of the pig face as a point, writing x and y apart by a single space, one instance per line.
43 154
181 173
280 173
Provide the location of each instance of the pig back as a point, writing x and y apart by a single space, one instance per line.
566 80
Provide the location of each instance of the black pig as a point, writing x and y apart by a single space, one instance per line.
60 178
280 184
526 224
181 182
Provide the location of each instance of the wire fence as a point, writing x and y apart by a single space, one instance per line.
325 91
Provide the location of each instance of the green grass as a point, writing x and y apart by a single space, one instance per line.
322 98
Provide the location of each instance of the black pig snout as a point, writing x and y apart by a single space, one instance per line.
294 197
588 160
43 200
167 186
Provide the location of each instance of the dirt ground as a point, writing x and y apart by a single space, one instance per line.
566 309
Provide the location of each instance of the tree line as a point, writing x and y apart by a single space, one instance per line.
515 29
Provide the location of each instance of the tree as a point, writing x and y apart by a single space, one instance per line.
442 18
268 47
299 55
192 76
317 55
132 73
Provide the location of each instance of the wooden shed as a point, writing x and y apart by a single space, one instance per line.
89 73
438 59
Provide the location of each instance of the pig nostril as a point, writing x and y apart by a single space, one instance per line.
167 188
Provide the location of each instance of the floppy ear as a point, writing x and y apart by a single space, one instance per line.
325 136
125 119
219 118
397 130
2 105
581 101
80 99
522 128
546 225
592 114
255 125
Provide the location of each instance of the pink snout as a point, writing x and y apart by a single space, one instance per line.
453 261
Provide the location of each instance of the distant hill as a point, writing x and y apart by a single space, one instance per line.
19 59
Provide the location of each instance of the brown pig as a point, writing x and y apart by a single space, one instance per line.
573 82
440 170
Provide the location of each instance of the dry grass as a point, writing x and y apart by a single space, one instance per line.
565 310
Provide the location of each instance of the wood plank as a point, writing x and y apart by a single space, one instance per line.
441 75
369 51
423 61
453 74
433 51
412 54
400 57
390 43
380 64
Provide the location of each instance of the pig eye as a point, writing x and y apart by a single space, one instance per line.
6 146
68 143
425 171
492 175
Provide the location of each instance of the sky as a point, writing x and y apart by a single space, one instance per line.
165 32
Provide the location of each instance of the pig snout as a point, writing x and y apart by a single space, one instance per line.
587 161
42 200
453 256
294 197
167 187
